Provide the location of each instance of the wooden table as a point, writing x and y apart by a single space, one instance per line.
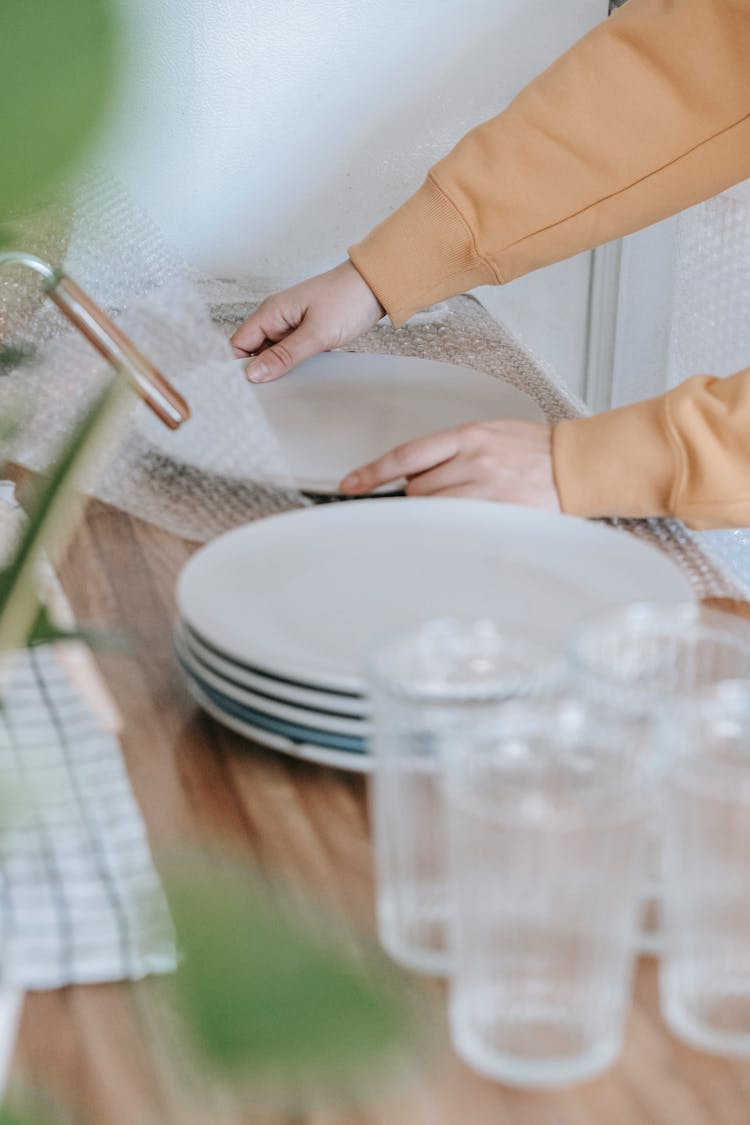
90 1048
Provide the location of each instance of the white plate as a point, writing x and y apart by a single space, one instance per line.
305 594
339 759
339 410
307 735
319 720
282 691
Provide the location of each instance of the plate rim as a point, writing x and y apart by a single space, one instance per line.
354 728
317 486
325 487
348 683
240 667
349 761
314 735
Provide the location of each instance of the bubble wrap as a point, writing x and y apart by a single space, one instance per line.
462 331
224 466
711 322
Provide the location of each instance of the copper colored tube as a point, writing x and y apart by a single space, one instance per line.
115 346
107 338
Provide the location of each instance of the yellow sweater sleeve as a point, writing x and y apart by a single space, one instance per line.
647 114
685 454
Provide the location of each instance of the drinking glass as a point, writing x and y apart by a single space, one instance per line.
424 684
640 654
640 658
547 807
705 969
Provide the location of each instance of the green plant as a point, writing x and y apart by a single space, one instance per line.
270 999
20 1117
12 357
57 70
53 506
266 998
58 65
263 995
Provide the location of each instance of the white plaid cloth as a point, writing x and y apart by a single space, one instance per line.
80 900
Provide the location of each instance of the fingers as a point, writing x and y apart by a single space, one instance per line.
465 491
403 461
448 475
279 358
241 353
275 318
297 323
256 329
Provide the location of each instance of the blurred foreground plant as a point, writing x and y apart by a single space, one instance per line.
271 1001
57 70
58 67
266 999
21 1117
54 506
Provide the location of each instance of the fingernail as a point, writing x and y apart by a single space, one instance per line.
256 372
350 482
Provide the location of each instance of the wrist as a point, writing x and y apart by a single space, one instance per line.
355 277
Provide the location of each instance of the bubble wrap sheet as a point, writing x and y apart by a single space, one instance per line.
711 322
117 256
462 331
224 467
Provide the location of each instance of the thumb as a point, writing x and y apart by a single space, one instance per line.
280 358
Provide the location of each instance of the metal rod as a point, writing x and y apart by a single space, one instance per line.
21 258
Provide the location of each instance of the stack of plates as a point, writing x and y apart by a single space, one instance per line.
276 618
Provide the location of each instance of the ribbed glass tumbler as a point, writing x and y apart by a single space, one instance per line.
425 685
705 968
643 654
641 658
547 809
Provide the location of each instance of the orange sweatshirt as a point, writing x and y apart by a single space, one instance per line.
646 115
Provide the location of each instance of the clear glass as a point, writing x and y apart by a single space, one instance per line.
547 808
424 684
705 969
643 653
640 657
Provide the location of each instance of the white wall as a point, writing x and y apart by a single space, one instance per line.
267 135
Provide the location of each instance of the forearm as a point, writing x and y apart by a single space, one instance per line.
646 115
684 454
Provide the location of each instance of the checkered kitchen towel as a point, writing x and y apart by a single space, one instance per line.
80 900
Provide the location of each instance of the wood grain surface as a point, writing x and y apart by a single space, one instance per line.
94 1051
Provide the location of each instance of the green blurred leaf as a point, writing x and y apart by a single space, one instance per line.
267 997
52 518
11 358
35 1107
45 631
23 1117
57 63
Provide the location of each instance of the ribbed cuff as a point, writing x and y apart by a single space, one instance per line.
423 253
620 463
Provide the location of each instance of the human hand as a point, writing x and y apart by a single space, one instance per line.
507 461
321 313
